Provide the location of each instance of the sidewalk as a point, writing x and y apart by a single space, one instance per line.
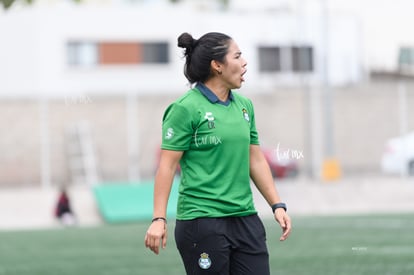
31 208
365 195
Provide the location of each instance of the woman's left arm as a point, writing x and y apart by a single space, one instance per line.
262 177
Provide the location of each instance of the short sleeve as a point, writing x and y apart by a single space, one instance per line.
254 136
177 129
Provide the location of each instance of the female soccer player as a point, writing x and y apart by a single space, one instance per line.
210 131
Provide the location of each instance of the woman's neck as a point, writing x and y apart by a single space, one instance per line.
218 89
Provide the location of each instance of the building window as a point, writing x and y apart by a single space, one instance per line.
269 59
119 53
406 57
85 54
286 59
82 54
302 60
155 53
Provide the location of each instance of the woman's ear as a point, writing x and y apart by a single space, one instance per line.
216 66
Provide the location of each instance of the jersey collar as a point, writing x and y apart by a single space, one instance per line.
211 96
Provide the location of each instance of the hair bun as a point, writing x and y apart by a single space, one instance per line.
186 40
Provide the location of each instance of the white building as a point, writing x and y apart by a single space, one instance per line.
59 48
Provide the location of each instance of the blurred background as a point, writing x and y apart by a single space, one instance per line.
84 84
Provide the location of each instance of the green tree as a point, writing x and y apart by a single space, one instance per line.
8 3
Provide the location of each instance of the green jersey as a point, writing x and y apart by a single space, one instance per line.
215 139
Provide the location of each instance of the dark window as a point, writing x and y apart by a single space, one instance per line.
155 53
286 59
269 59
302 59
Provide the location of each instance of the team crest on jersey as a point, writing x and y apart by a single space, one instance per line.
169 134
210 118
204 262
246 115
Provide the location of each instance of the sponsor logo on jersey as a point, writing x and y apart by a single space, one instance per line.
246 115
210 118
169 134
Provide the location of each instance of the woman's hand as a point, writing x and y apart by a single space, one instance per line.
284 220
156 236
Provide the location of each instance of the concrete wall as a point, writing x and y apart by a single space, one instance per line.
363 118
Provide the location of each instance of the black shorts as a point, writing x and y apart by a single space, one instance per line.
231 245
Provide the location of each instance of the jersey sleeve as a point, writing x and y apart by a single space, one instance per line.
177 129
254 136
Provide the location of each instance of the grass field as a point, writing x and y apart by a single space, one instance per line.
351 245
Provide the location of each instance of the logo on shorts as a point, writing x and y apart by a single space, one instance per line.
204 262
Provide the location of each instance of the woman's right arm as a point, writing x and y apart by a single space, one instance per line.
157 232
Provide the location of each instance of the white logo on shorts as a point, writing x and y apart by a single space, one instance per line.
204 262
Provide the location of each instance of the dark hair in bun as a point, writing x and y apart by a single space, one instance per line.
187 42
199 54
